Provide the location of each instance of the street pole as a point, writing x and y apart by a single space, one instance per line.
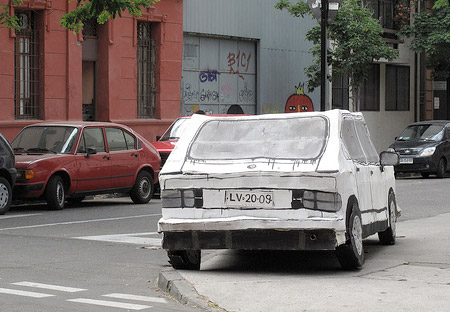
323 52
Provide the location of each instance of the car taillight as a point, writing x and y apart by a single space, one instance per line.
316 200
182 198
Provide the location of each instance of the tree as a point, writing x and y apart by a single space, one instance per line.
430 32
101 10
355 43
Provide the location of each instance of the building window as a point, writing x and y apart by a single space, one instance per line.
146 77
26 68
397 88
383 10
370 90
340 92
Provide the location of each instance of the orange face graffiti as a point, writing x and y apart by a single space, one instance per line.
299 102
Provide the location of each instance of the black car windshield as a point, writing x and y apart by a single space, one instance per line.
175 130
45 139
425 132
302 139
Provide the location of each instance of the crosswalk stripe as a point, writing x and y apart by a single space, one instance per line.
137 298
50 287
24 293
19 215
132 238
112 304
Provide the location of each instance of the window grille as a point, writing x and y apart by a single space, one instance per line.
340 96
384 11
26 68
397 88
146 78
370 90
90 29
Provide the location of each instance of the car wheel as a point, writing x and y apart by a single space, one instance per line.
185 259
426 175
351 254
55 193
441 168
387 237
5 195
142 191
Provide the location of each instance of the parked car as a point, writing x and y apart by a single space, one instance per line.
69 160
7 174
299 181
424 148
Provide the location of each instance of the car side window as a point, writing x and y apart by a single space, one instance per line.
131 142
351 141
366 143
92 138
116 139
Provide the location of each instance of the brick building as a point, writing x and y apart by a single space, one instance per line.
127 70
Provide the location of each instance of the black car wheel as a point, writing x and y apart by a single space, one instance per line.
185 259
5 195
441 168
55 193
142 190
387 237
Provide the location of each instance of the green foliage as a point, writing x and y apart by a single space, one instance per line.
7 20
355 43
102 11
430 34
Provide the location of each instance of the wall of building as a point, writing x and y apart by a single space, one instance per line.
116 87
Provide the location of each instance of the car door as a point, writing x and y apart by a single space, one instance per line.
94 169
124 157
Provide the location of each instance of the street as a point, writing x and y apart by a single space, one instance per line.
104 255
100 255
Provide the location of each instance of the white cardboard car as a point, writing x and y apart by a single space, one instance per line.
300 181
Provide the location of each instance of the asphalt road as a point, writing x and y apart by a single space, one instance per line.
100 255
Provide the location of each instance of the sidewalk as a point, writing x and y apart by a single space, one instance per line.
413 275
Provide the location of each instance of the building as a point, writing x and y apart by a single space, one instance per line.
127 70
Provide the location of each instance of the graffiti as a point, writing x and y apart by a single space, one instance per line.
209 75
209 96
190 94
270 108
226 89
299 101
245 94
235 62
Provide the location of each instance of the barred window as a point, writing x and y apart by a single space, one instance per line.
383 10
397 88
26 68
340 95
146 77
370 90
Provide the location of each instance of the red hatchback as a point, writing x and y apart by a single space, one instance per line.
69 160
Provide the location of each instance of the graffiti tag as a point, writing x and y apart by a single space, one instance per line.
236 62
209 75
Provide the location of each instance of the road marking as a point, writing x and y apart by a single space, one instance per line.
137 298
78 222
112 304
24 293
19 215
50 287
132 238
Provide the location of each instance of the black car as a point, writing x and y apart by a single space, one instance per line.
7 174
424 148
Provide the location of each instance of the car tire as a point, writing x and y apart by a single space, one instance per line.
185 259
55 193
425 175
143 188
351 254
441 168
5 195
387 237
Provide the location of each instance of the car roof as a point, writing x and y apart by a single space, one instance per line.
428 122
78 124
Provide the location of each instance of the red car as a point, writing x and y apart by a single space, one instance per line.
69 160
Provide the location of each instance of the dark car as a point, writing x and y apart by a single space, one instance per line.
7 174
59 161
424 148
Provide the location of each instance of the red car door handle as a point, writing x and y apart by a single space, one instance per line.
106 157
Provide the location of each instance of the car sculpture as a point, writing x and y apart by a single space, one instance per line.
424 148
70 160
7 174
300 181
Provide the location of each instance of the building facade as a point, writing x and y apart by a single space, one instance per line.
127 70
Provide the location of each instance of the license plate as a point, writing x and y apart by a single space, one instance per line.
406 160
249 199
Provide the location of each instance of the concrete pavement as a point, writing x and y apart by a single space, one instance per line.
413 275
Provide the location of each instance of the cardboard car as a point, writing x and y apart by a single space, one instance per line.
300 181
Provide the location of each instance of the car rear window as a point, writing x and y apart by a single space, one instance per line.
302 138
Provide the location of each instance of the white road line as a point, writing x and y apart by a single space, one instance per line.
137 298
50 287
78 222
112 304
19 215
24 293
132 238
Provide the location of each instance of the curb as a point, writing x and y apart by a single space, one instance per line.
171 282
